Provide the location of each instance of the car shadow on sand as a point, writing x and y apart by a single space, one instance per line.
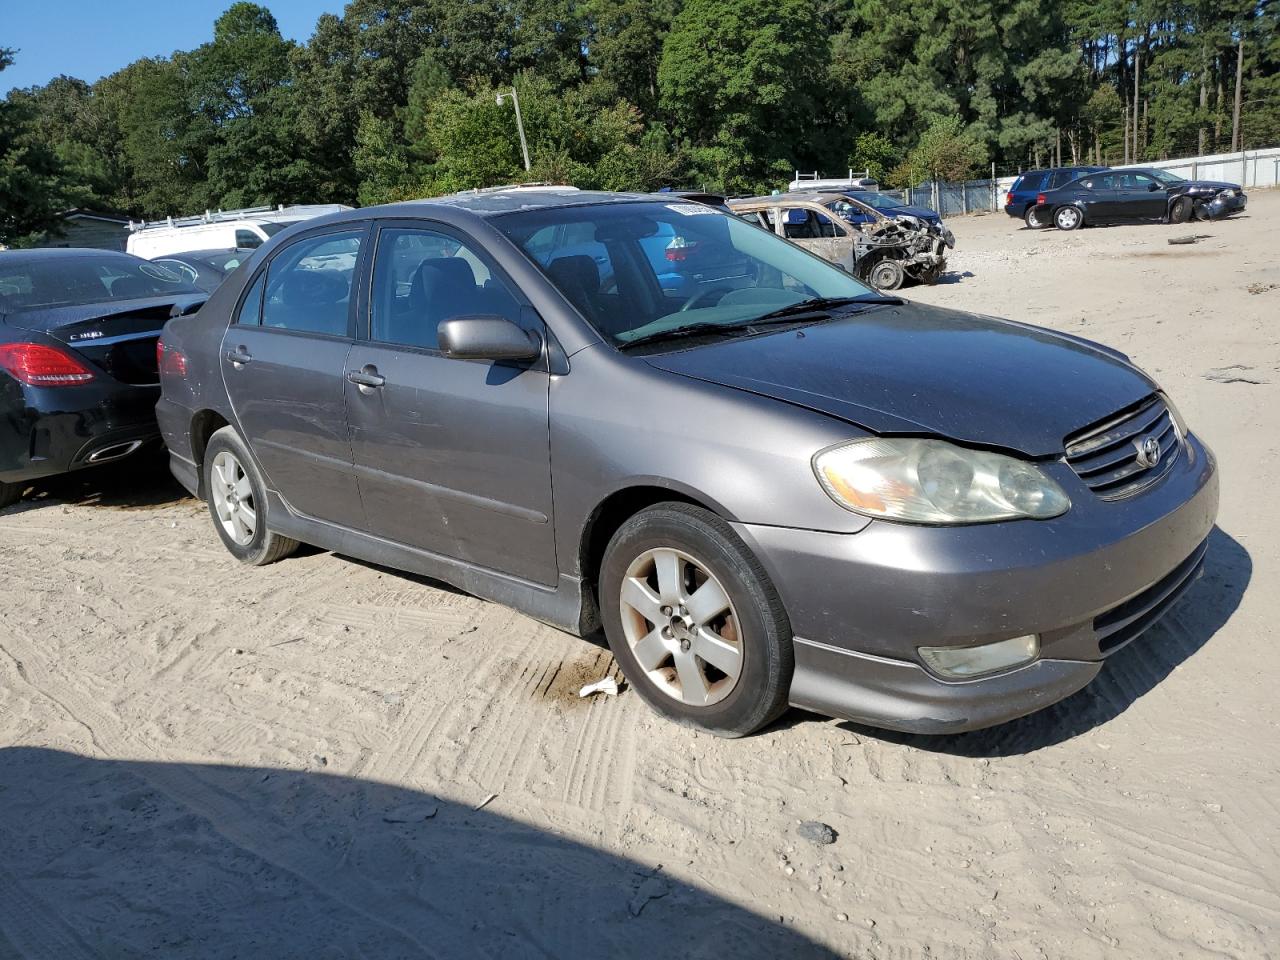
124 858
138 482
1127 675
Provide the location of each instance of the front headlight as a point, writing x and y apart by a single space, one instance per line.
932 481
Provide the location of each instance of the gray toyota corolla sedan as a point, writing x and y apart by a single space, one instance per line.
768 484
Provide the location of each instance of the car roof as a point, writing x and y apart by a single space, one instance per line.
502 200
212 252
11 257
778 199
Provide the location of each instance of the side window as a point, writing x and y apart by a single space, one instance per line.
422 278
251 309
247 240
309 284
1058 178
1137 181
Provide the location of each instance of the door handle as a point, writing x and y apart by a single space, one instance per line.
367 378
239 356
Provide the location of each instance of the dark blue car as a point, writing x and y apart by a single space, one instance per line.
1021 201
890 206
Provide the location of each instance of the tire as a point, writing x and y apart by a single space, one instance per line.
237 502
1180 212
1068 218
885 274
674 552
10 493
1031 220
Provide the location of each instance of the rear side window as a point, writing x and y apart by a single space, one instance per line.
251 309
1033 181
247 239
309 285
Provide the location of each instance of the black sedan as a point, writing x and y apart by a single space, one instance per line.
1136 195
205 269
78 367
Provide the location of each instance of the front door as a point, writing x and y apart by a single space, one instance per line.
1140 196
452 456
283 362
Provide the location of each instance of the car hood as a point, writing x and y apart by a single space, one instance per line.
1202 185
913 369
924 213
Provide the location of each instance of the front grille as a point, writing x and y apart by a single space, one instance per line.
1109 456
1119 625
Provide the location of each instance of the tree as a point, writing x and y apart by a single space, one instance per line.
874 154
31 191
742 79
946 151
626 38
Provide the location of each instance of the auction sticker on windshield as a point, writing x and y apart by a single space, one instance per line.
691 209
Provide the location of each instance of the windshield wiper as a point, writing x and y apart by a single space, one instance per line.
791 313
824 304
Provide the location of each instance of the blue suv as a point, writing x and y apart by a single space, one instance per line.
1021 201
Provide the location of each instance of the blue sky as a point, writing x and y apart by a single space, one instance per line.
91 38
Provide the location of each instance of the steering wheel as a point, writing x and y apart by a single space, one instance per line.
692 302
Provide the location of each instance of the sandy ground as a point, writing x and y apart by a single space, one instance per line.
199 759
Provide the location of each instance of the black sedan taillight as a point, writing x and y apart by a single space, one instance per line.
38 365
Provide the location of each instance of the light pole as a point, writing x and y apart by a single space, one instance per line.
515 99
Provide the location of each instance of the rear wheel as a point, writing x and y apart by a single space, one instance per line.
1032 221
694 621
1067 218
10 493
1181 210
238 502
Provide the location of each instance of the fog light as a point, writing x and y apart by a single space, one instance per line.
962 663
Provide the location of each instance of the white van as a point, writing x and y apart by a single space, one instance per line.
219 230
815 183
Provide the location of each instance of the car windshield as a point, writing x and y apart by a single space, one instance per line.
1167 178
34 284
644 270
878 200
225 261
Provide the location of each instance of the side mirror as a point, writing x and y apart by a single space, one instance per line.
1153 187
487 338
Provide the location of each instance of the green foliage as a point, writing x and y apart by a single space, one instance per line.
875 154
31 192
395 98
741 78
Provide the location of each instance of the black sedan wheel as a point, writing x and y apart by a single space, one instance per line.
1181 210
1032 221
1068 218
10 493
694 622
238 502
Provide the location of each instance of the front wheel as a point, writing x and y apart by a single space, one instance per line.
886 274
10 493
1067 218
694 622
1180 212
237 500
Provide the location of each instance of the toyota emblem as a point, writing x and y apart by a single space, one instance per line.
1149 452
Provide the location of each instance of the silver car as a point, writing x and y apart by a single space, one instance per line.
767 483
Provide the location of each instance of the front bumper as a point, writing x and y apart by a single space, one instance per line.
1086 583
48 431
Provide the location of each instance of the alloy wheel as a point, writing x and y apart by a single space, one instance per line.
233 499
681 627
1068 217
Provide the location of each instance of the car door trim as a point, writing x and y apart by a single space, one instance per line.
450 493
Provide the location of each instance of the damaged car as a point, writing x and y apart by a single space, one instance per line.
1135 196
883 250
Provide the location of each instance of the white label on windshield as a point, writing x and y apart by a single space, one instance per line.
691 209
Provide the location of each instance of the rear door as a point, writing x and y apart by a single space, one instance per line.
453 456
283 363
